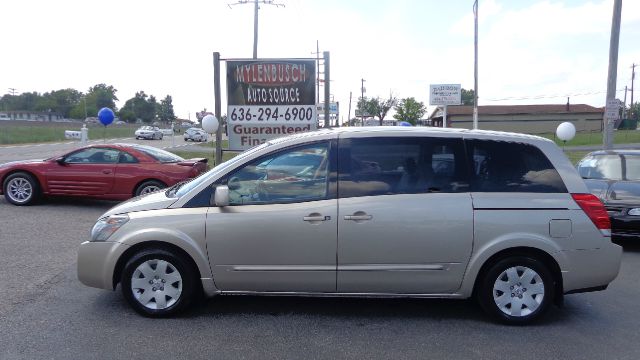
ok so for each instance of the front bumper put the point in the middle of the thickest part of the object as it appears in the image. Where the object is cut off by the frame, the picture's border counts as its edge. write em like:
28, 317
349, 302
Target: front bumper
625, 228
97, 262
145, 136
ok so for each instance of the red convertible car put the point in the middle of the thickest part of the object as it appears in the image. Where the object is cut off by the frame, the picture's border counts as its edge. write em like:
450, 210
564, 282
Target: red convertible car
106, 171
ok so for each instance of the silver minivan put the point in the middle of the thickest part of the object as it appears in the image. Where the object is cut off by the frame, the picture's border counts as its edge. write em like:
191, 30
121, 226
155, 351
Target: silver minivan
384, 211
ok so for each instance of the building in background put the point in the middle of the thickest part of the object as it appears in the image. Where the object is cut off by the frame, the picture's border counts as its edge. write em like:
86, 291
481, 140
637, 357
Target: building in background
531, 119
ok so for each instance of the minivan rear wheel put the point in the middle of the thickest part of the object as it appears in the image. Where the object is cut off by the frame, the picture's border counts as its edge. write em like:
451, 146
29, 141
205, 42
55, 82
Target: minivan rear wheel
516, 290
158, 283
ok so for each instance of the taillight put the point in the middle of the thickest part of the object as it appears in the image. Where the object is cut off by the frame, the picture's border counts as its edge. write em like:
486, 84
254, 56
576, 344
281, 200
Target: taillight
595, 210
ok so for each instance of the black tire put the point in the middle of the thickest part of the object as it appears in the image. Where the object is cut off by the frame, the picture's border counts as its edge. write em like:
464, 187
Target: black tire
149, 186
161, 136
177, 294
518, 299
21, 189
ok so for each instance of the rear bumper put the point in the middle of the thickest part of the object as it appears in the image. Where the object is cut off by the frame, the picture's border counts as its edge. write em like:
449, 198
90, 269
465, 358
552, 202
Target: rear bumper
591, 268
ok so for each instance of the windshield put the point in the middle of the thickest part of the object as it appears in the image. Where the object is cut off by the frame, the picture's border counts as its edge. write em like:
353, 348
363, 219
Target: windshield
158, 154
186, 187
601, 167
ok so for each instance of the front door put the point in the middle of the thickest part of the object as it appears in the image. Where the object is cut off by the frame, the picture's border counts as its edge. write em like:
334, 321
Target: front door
405, 219
88, 171
278, 233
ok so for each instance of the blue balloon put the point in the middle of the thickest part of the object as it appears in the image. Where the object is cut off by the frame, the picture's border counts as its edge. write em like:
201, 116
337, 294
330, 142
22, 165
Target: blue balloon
106, 116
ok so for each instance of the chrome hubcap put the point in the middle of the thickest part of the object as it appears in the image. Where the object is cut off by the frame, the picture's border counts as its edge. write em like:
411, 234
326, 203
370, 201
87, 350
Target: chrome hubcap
518, 291
19, 190
156, 284
149, 189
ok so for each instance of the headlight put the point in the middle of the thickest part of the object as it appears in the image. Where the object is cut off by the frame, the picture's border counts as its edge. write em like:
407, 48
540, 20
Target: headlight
106, 226
634, 212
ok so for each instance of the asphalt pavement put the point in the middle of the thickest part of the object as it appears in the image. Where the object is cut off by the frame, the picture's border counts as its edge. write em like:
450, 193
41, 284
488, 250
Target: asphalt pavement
47, 314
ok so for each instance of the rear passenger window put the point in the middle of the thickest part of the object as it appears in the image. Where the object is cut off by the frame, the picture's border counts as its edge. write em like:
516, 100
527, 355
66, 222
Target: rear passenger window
500, 166
386, 166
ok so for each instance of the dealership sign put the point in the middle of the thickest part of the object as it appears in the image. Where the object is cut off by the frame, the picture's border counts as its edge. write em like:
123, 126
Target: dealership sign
269, 98
445, 94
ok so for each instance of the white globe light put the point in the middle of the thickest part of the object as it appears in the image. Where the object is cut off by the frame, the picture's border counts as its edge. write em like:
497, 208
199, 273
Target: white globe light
210, 124
566, 131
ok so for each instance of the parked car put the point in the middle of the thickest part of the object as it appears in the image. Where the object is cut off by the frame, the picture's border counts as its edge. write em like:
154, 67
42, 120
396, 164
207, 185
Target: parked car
149, 132
614, 177
106, 171
195, 134
365, 212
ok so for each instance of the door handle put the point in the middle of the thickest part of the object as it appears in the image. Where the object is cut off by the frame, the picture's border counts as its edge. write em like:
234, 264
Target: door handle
316, 218
106, 171
358, 216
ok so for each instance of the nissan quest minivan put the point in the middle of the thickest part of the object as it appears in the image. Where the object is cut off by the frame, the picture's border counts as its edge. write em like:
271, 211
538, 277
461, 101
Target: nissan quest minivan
374, 212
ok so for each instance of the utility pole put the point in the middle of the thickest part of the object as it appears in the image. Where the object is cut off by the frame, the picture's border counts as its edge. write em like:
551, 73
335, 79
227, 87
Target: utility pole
12, 91
349, 115
255, 19
624, 106
362, 101
633, 76
475, 67
327, 92
317, 54
613, 68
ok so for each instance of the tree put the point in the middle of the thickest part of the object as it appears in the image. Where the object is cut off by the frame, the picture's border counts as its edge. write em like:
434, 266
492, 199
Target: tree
165, 110
467, 96
99, 96
61, 102
409, 110
141, 106
380, 108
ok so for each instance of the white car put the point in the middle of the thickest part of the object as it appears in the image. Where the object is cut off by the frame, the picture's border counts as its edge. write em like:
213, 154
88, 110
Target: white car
195, 134
149, 132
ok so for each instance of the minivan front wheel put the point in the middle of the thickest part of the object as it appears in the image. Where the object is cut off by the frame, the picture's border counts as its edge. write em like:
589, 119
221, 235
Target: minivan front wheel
516, 290
158, 283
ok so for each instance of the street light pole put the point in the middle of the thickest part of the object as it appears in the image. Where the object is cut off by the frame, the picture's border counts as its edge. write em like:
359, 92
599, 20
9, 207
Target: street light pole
475, 67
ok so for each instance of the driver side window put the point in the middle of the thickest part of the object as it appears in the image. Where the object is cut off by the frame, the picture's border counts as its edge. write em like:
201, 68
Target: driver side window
93, 156
293, 175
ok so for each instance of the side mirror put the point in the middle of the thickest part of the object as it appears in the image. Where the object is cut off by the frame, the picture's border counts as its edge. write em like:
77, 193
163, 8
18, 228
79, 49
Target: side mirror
221, 197
61, 161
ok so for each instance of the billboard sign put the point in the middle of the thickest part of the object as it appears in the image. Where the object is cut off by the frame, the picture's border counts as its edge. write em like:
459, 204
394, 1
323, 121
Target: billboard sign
269, 98
445, 94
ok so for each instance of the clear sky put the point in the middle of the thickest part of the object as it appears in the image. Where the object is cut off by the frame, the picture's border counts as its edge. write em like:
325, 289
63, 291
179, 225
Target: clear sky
530, 52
